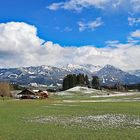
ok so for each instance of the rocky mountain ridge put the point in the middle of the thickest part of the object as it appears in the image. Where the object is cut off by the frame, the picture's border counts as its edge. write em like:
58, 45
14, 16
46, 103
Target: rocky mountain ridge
48, 75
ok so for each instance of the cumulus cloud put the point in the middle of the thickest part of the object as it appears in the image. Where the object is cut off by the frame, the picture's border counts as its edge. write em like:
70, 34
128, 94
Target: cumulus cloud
79, 5
18, 41
92, 25
21, 46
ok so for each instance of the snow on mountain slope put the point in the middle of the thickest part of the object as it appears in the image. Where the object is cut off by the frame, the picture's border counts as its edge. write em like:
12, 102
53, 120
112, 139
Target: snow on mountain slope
135, 72
84, 67
27, 75
110, 75
39, 74
47, 75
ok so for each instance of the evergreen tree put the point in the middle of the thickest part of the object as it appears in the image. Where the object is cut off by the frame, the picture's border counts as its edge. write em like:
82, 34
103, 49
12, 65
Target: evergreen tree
139, 86
65, 83
81, 80
95, 82
78, 79
73, 80
86, 81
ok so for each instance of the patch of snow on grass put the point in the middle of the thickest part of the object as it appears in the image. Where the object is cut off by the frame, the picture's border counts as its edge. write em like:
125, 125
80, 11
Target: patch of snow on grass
116, 94
92, 121
82, 90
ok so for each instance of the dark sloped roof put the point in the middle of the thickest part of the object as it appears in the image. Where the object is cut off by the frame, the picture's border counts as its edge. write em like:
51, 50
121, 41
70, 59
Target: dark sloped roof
26, 92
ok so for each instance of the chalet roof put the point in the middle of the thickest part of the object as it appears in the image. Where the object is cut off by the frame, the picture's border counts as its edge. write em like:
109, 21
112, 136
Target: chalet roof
26, 92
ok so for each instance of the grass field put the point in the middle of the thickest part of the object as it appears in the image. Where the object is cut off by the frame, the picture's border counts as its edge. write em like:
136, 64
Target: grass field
53, 119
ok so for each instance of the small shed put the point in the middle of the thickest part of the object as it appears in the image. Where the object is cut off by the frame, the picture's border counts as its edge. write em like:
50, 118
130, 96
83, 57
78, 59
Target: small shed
26, 94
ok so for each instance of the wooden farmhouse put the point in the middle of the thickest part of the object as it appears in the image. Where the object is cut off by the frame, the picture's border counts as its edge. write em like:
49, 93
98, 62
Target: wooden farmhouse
26, 94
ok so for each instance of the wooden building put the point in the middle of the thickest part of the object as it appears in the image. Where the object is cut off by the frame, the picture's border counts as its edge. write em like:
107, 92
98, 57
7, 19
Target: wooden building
42, 94
26, 94
29, 94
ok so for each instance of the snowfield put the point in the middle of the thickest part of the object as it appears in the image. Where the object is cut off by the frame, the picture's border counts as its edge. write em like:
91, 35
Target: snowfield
82, 90
95, 93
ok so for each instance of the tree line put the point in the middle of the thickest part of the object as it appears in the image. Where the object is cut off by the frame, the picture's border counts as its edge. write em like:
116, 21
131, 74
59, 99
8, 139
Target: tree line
72, 80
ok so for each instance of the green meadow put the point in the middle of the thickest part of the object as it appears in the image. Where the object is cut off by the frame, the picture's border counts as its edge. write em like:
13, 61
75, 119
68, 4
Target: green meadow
52, 119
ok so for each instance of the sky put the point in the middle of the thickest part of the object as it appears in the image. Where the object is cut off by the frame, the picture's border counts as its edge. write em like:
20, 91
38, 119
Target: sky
60, 32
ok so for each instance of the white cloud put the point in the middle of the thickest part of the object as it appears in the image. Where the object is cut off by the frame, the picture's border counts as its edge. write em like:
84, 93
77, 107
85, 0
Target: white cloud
55, 6
125, 56
67, 29
135, 5
112, 43
136, 34
79, 5
20, 46
134, 37
133, 21
132, 40
92, 25
18, 41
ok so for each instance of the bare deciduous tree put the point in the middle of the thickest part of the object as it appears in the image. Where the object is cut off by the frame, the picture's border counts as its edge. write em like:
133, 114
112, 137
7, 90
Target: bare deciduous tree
4, 89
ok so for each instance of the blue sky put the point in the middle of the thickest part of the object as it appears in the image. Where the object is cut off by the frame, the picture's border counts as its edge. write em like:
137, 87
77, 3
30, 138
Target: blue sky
78, 23
61, 26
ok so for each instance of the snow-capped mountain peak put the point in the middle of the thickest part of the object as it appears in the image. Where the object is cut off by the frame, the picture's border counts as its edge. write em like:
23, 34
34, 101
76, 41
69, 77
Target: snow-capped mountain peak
53, 75
86, 67
111, 75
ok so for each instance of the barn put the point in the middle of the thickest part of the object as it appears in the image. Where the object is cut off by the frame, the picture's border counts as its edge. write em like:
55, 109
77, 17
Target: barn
26, 94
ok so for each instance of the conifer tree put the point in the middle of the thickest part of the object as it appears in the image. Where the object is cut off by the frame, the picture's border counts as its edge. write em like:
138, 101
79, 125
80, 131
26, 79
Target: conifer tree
139, 86
65, 83
86, 81
95, 82
78, 79
73, 80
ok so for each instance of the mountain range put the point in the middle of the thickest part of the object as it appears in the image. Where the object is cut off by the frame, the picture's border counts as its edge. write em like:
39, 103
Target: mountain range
49, 75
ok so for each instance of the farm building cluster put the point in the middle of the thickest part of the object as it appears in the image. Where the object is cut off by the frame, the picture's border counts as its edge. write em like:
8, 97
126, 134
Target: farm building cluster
32, 94
5, 91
